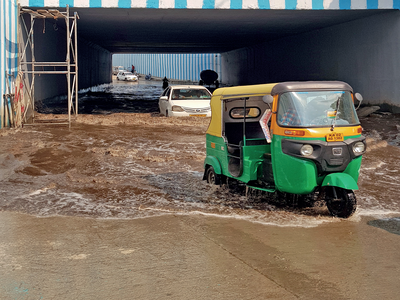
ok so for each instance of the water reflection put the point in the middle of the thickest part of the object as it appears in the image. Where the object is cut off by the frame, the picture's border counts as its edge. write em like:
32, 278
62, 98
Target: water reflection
391, 225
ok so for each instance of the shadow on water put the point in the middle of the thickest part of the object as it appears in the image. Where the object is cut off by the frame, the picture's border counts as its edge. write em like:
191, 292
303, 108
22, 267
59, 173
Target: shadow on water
108, 99
391, 225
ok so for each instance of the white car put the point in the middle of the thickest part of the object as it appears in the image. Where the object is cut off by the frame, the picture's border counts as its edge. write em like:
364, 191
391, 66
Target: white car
127, 76
118, 69
185, 101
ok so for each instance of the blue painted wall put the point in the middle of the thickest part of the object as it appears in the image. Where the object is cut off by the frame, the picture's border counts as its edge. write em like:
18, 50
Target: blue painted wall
173, 66
8, 49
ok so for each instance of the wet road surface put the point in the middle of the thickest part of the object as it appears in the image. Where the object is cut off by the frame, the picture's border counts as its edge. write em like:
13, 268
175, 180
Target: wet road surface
193, 257
116, 205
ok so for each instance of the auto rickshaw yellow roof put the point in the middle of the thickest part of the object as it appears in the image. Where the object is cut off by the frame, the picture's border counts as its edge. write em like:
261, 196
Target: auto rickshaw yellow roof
244, 91
238, 92
215, 127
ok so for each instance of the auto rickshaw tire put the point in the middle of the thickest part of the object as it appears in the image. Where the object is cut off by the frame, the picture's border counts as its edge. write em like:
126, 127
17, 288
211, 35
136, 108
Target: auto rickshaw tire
344, 206
212, 177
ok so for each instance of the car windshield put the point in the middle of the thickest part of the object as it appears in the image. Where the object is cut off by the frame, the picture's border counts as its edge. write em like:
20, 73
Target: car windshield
128, 73
190, 94
316, 109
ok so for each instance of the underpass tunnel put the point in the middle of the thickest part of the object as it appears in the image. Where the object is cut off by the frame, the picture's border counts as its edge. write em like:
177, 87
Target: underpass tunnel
256, 46
362, 52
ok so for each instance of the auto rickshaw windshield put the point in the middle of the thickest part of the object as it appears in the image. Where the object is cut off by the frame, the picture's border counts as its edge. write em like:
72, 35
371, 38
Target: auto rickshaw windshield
316, 109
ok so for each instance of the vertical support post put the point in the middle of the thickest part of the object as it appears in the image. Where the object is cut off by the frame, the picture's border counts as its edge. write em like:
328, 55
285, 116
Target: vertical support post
33, 66
68, 61
76, 62
244, 122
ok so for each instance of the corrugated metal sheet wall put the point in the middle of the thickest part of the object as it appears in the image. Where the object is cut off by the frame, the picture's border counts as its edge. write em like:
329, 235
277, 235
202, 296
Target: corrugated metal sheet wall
173, 66
8, 47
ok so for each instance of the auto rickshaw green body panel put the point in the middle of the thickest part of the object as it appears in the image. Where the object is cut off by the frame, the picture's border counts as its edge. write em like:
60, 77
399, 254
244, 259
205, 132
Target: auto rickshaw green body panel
300, 175
238, 146
286, 169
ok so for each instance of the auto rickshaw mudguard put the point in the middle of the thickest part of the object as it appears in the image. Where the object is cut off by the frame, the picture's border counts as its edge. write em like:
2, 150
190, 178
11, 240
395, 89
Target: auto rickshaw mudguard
341, 180
214, 162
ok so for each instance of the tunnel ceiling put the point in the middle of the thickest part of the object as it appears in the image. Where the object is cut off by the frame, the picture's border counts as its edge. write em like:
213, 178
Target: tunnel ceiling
202, 30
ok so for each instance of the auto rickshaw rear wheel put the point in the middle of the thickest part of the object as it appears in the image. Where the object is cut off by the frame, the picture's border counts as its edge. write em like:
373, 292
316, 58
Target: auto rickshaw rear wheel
341, 205
212, 177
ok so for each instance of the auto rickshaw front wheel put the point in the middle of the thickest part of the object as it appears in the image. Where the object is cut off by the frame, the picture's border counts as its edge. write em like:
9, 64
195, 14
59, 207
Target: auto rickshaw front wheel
341, 203
212, 177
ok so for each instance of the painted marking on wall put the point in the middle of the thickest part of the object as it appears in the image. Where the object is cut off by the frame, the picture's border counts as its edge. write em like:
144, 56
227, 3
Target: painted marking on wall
220, 4
8, 47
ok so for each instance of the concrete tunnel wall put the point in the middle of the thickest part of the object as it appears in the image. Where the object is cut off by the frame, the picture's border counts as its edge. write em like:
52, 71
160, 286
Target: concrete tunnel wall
94, 62
365, 53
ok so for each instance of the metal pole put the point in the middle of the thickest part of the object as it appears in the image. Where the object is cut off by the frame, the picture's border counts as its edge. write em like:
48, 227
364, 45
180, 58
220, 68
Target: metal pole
28, 35
76, 62
68, 67
244, 123
33, 66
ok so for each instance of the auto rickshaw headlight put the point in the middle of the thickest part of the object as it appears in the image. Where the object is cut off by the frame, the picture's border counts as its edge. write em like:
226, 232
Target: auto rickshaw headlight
358, 148
177, 108
306, 150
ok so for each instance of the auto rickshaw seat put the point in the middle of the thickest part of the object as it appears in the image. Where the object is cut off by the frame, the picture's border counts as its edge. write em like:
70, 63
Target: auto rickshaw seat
234, 132
233, 149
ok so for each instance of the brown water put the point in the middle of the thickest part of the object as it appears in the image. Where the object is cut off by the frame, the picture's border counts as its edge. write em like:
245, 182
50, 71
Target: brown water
122, 160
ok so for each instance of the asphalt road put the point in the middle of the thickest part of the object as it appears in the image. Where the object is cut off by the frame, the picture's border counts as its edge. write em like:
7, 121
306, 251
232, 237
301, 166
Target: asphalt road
194, 257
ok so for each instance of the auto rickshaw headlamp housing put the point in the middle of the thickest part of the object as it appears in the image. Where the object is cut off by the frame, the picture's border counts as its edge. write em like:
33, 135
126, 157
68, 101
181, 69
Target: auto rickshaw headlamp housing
328, 156
306, 150
358, 148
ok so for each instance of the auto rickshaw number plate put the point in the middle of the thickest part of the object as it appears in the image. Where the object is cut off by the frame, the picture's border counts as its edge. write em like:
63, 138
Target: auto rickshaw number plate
334, 137
197, 115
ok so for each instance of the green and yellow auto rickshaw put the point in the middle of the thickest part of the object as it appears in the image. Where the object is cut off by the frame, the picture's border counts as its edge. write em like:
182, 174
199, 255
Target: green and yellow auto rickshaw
293, 138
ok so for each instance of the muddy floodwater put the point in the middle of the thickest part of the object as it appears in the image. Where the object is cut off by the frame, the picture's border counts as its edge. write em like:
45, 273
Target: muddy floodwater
121, 159
115, 207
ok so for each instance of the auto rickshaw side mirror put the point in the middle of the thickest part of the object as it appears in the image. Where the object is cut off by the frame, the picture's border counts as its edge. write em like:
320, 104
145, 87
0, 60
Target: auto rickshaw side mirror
268, 99
359, 98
